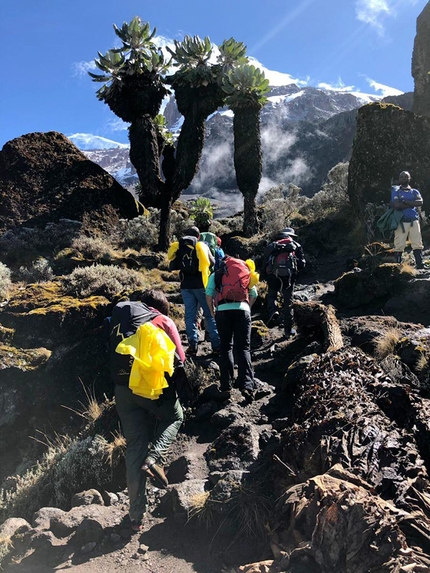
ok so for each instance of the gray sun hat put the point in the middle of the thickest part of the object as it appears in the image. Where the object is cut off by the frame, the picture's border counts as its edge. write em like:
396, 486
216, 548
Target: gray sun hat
287, 232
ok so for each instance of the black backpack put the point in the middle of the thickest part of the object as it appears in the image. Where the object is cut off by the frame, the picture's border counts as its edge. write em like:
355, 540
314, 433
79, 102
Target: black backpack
187, 255
283, 261
126, 317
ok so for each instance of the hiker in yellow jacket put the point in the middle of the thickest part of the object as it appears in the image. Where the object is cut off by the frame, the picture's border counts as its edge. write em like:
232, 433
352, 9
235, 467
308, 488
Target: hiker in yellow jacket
146, 393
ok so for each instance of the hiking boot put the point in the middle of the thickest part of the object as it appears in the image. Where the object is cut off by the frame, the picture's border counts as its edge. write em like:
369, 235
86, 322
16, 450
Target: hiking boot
274, 317
290, 332
249, 395
192, 350
136, 525
156, 473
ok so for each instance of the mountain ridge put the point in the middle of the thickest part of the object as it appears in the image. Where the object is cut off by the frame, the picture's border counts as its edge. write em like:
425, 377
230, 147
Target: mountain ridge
305, 132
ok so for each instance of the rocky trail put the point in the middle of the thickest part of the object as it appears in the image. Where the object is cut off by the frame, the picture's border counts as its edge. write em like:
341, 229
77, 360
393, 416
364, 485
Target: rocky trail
262, 487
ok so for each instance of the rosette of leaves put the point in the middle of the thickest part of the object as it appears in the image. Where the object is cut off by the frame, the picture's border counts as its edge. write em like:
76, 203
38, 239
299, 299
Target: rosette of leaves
132, 83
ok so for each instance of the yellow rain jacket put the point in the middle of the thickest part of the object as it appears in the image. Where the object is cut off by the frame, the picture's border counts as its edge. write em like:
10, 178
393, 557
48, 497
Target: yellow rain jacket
202, 252
255, 277
153, 354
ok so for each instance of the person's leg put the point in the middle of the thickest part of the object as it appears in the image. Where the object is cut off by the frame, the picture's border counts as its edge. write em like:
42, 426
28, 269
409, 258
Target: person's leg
416, 243
169, 414
241, 321
273, 286
226, 363
287, 294
191, 308
400, 236
135, 429
210, 322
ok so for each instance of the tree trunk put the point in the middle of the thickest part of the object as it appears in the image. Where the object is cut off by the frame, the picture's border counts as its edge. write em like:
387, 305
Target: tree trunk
248, 162
145, 156
165, 217
314, 315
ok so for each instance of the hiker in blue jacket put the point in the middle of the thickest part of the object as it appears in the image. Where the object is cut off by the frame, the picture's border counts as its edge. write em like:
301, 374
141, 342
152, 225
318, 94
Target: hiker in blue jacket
406, 199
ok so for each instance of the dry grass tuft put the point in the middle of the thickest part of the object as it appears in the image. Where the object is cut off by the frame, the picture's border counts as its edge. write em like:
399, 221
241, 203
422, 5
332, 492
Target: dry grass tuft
92, 410
422, 363
387, 342
201, 509
115, 449
6, 546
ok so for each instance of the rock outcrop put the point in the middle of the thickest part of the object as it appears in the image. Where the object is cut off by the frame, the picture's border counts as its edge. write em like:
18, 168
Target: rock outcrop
421, 63
388, 140
44, 177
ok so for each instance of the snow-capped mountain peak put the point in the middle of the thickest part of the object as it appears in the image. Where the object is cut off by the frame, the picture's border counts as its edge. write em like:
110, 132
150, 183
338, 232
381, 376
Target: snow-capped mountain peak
89, 142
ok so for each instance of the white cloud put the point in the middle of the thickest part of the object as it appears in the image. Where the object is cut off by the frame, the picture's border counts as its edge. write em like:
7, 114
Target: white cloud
339, 86
374, 12
116, 124
82, 68
385, 90
277, 78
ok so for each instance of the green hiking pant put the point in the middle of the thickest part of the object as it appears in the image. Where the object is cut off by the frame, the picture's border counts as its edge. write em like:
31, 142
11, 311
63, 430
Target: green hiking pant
135, 413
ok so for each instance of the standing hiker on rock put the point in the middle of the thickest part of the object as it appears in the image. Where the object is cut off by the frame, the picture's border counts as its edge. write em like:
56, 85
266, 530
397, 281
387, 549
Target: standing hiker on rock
137, 410
230, 295
282, 260
193, 259
406, 199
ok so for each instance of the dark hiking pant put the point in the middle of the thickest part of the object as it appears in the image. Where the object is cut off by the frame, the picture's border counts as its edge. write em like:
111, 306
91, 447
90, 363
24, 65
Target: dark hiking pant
234, 329
286, 288
135, 412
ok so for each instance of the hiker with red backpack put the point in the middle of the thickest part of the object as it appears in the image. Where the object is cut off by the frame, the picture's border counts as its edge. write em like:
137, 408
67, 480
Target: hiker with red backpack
136, 408
230, 294
282, 260
193, 259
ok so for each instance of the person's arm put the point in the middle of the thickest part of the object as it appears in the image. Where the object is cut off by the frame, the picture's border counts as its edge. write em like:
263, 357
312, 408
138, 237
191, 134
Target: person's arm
210, 294
169, 327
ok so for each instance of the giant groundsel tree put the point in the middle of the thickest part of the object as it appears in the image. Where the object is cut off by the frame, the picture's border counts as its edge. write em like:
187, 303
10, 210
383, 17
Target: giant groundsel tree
245, 87
135, 82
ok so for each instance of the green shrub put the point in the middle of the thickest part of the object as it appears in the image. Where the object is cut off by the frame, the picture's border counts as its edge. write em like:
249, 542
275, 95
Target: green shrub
139, 232
68, 467
92, 247
277, 207
102, 280
5, 281
333, 196
25, 243
37, 271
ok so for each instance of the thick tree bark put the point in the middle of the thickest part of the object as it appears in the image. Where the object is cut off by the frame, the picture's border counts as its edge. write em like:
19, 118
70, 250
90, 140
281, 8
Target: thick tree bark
248, 162
145, 156
310, 315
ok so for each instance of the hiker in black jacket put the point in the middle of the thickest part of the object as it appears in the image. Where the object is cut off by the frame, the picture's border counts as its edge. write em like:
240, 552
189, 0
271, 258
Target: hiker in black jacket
283, 258
193, 259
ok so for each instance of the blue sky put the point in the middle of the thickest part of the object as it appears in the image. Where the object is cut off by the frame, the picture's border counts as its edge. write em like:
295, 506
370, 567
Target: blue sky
48, 44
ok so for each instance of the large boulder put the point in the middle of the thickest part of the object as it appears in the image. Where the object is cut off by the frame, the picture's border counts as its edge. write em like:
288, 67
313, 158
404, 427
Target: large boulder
388, 140
44, 177
421, 64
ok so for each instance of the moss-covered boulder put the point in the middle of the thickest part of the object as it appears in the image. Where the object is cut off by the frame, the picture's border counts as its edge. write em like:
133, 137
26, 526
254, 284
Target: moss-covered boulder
354, 289
388, 140
421, 64
40, 314
44, 177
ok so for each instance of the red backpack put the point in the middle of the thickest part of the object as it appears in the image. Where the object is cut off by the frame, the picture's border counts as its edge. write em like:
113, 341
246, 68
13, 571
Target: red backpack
283, 261
232, 281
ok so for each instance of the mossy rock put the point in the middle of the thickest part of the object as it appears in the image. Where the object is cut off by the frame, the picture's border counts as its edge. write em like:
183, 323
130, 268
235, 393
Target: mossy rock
6, 334
42, 316
354, 289
259, 334
23, 359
